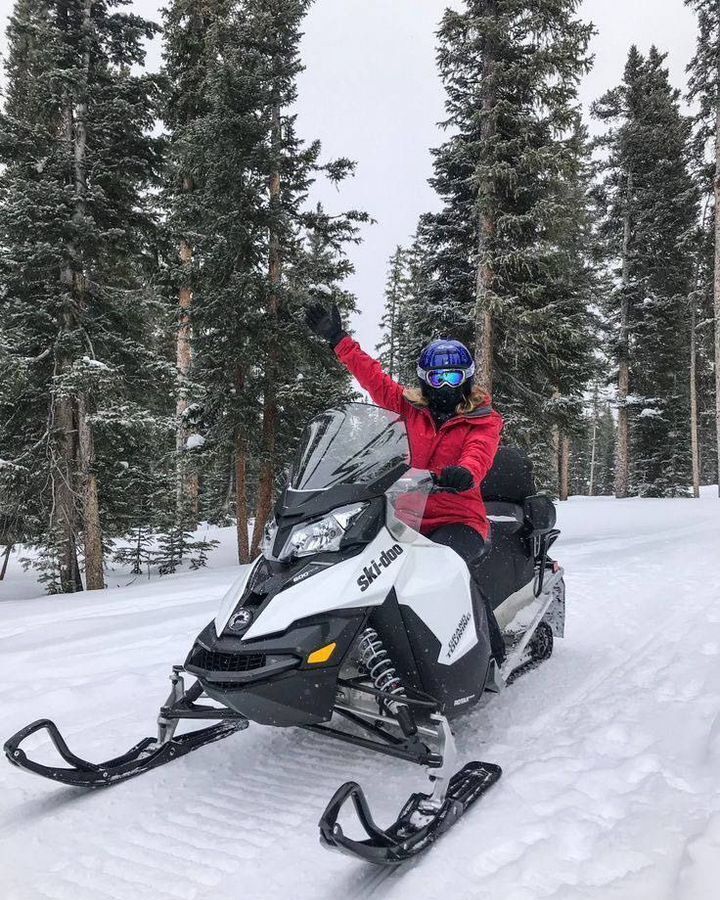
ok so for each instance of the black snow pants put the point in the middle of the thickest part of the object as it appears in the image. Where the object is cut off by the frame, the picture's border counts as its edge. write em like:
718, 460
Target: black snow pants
469, 544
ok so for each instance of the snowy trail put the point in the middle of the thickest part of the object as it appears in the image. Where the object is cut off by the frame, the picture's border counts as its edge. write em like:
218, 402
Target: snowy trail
611, 750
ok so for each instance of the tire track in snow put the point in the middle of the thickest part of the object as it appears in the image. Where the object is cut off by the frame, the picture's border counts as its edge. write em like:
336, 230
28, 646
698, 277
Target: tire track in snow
626, 782
240, 819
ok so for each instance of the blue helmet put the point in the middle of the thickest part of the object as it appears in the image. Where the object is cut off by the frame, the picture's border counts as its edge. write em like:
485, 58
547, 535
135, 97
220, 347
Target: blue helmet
445, 355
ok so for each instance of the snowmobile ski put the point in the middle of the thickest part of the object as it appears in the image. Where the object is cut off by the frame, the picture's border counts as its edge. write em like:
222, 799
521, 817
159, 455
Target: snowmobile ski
417, 826
148, 754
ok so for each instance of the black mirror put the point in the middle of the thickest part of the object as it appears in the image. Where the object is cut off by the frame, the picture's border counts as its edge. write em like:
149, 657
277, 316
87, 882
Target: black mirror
540, 513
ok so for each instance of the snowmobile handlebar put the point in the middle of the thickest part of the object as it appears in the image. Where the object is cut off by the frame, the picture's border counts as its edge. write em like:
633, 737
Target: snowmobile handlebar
434, 489
445, 490
437, 488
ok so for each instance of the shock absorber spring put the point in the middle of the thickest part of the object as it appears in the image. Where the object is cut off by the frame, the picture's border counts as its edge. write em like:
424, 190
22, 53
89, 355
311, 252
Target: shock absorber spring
376, 660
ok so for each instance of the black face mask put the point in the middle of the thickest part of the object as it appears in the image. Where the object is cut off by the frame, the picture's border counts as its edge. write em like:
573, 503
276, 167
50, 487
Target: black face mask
444, 401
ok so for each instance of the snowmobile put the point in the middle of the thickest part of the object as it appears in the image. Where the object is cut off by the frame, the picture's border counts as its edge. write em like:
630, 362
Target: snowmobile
354, 625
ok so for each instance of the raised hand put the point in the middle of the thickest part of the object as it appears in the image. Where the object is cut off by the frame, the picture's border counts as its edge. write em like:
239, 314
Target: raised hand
325, 323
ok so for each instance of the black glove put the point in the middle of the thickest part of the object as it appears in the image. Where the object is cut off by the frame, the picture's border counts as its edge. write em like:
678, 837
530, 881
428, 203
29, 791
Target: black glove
456, 478
326, 324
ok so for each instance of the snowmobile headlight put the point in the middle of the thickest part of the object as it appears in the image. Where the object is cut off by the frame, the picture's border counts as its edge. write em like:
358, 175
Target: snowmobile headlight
324, 535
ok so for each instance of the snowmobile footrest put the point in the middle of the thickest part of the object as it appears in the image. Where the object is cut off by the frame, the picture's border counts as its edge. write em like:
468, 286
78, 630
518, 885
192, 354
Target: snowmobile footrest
146, 755
416, 827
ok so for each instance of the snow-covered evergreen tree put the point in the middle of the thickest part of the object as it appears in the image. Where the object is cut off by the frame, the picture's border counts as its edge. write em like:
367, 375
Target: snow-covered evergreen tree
255, 240
76, 342
500, 260
704, 92
650, 227
187, 27
411, 312
392, 348
592, 456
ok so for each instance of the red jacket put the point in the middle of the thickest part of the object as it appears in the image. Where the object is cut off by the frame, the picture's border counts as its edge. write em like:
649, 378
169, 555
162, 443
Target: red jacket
466, 440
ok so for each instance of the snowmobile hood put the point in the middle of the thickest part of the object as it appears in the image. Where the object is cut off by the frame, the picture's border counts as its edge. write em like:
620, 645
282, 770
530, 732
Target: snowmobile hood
359, 581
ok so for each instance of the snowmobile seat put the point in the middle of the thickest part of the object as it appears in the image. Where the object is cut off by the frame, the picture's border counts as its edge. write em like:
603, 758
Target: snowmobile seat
505, 517
509, 564
511, 478
540, 514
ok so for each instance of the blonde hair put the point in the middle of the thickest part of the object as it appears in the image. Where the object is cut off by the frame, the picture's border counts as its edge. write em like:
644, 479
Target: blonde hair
478, 397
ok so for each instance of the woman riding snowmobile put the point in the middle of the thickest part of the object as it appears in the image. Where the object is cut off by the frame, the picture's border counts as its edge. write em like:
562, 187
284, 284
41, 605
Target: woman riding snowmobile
354, 625
453, 430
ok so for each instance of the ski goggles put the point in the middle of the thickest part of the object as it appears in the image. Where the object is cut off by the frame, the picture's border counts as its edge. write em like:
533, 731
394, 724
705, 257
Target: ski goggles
436, 378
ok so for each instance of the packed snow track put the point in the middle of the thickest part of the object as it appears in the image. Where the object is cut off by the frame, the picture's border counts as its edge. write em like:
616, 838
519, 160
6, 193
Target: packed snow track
610, 750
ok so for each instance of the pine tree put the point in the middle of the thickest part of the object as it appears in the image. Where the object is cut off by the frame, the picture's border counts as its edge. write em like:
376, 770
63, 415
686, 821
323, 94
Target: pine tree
499, 261
701, 304
704, 91
76, 228
185, 25
391, 348
414, 325
257, 243
576, 289
650, 221
186, 47
592, 466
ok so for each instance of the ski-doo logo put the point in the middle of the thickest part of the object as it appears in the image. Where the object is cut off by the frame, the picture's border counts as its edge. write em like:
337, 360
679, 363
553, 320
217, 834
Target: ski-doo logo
371, 572
459, 632
240, 621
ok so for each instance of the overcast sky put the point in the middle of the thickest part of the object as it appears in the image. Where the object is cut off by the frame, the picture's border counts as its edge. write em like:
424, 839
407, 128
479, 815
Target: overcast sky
371, 92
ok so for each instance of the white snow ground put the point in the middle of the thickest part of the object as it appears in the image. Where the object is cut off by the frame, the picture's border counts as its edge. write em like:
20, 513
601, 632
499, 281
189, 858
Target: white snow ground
611, 750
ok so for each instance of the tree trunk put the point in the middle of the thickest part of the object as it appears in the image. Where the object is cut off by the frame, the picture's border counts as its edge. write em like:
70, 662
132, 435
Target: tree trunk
186, 485
228, 502
6, 560
267, 471
593, 442
92, 532
716, 283
593, 458
74, 436
484, 325
270, 405
622, 452
485, 342
63, 516
64, 510
556, 454
564, 467
63, 415
241, 500
694, 440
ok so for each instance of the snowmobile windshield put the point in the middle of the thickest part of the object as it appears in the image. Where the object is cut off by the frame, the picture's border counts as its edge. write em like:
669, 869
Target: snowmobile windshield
357, 444
406, 500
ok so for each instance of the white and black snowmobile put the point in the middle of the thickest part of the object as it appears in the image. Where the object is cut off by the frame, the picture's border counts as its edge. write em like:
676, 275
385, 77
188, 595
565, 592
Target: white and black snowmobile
354, 625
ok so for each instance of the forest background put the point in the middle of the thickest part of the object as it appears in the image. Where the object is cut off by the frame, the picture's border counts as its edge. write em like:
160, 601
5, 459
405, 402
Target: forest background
129, 304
